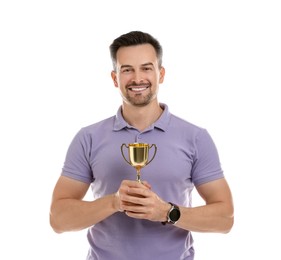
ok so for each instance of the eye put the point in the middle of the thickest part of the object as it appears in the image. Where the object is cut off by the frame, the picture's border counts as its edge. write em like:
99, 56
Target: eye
126, 70
147, 68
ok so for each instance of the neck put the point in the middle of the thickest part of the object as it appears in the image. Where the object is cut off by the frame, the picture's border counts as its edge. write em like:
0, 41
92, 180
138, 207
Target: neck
141, 117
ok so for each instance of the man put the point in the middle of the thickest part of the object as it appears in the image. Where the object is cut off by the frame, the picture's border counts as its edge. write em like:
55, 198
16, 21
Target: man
152, 219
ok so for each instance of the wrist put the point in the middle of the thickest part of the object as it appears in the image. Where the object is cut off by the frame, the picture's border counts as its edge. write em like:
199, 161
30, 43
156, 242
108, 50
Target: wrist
116, 203
166, 208
173, 214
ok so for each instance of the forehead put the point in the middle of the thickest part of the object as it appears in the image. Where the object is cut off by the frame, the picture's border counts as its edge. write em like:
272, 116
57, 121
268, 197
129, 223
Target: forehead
136, 55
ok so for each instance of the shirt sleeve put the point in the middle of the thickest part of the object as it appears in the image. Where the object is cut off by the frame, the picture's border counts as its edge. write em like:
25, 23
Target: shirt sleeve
76, 165
206, 165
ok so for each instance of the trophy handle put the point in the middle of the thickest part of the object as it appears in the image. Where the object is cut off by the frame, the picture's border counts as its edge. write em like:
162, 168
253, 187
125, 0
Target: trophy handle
155, 150
123, 153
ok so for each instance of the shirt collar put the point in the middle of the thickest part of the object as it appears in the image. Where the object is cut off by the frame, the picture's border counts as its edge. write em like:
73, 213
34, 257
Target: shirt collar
162, 122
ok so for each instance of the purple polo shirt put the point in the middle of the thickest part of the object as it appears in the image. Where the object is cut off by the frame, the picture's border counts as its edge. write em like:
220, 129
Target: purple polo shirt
186, 157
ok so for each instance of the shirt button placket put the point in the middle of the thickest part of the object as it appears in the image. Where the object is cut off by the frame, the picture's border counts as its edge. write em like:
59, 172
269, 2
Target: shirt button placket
138, 138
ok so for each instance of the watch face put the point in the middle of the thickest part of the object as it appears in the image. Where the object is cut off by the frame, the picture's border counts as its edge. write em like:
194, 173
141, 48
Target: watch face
174, 215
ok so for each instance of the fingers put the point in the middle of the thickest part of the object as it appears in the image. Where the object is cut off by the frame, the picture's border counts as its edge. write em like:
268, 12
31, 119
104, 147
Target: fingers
137, 200
132, 194
136, 184
146, 184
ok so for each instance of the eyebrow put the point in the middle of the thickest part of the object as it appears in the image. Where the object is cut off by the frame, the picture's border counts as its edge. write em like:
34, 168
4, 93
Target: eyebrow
125, 66
142, 65
148, 64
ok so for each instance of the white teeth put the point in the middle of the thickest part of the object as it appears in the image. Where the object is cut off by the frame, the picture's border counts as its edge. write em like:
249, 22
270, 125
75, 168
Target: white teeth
138, 89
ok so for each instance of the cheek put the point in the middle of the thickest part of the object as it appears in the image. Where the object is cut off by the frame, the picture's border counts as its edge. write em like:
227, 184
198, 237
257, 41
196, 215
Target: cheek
124, 80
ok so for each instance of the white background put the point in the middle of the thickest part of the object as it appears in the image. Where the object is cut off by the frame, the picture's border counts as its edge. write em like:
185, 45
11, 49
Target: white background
223, 66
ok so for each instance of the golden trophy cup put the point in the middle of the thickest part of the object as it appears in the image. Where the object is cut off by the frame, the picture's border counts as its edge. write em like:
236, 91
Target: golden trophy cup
138, 155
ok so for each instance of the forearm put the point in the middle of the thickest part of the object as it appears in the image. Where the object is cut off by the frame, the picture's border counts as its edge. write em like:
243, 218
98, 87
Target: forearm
216, 217
73, 215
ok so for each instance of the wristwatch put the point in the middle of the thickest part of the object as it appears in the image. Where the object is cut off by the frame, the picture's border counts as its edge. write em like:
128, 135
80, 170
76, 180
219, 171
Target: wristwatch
173, 214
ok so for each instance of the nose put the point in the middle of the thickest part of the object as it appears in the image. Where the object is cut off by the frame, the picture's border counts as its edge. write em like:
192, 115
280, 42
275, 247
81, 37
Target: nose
138, 77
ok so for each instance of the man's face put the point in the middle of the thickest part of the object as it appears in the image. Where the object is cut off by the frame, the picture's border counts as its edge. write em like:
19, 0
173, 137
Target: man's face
137, 74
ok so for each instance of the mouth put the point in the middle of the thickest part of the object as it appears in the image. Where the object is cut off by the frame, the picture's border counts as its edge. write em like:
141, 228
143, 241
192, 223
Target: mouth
139, 88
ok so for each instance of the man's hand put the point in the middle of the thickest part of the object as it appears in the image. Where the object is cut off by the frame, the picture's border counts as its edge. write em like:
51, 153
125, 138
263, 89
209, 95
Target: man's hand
137, 200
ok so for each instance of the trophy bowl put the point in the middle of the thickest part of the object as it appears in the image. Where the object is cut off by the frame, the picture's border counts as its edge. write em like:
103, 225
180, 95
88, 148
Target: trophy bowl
138, 154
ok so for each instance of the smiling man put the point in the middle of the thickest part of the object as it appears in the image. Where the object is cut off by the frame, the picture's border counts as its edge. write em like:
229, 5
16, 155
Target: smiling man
152, 219
137, 74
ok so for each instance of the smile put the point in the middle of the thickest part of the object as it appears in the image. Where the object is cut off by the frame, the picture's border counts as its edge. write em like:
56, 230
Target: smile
138, 89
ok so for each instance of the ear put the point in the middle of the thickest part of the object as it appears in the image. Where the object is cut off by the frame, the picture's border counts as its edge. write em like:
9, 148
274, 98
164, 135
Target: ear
114, 78
162, 75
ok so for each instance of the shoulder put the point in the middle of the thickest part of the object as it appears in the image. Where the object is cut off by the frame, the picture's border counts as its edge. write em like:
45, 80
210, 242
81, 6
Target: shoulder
184, 126
183, 122
174, 123
98, 126
86, 134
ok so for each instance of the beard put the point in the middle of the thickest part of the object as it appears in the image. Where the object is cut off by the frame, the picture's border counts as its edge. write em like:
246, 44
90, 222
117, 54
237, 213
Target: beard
138, 99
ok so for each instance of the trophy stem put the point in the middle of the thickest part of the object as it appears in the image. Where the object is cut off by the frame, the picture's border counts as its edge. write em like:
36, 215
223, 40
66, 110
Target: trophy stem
138, 174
